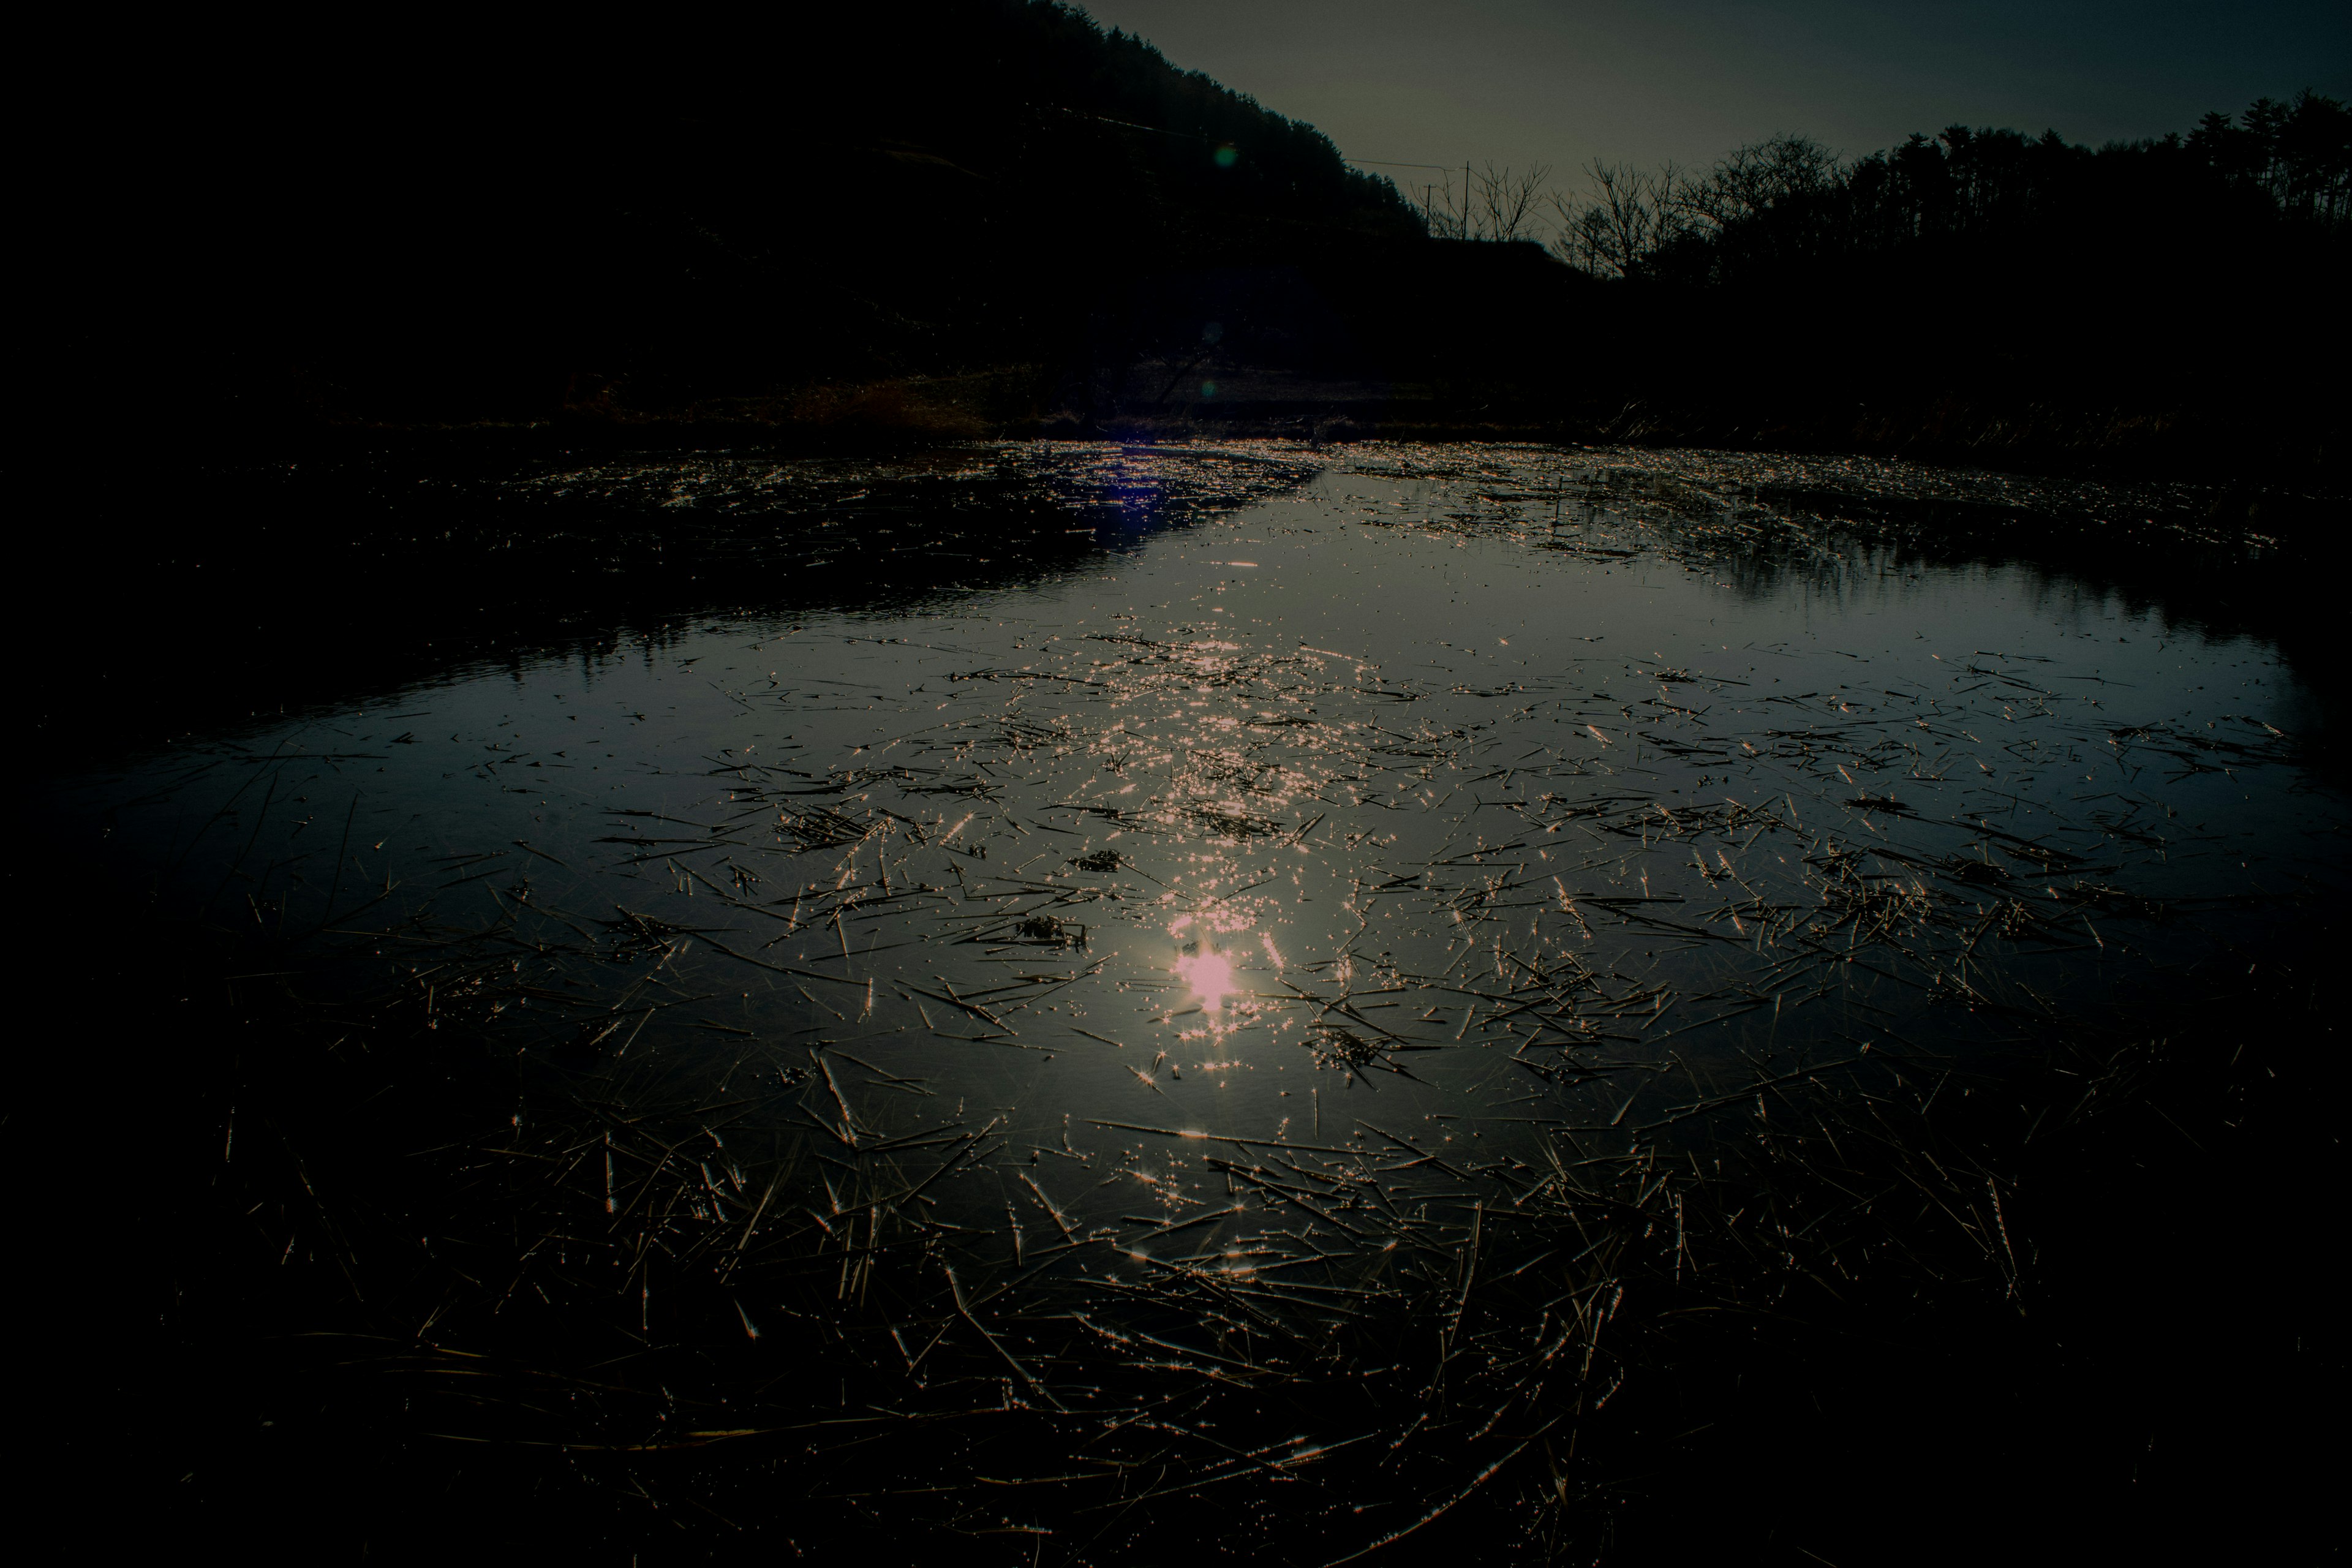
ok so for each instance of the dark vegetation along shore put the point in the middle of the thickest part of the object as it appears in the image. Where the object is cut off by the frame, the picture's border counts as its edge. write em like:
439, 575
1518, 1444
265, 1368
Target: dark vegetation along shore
892, 784
991, 218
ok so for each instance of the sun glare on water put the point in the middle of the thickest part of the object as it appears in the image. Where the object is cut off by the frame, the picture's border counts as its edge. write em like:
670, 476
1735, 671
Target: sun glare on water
1211, 976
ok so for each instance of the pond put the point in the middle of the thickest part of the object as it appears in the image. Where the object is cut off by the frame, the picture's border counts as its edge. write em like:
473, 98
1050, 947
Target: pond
1217, 988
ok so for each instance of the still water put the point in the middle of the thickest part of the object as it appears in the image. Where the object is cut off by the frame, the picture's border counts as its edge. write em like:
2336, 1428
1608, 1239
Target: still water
1211, 944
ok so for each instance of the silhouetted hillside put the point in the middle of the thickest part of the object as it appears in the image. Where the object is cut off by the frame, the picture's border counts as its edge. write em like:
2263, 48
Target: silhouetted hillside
972, 217
451, 228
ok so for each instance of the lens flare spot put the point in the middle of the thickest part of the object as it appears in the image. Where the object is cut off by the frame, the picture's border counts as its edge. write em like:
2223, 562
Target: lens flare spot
1210, 976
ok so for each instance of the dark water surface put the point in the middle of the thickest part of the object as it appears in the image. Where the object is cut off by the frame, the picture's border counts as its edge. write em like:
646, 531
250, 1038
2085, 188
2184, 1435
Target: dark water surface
1276, 986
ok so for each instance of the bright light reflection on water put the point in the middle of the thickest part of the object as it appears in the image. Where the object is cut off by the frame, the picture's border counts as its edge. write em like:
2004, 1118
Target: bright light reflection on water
1093, 973
1279, 826
1210, 976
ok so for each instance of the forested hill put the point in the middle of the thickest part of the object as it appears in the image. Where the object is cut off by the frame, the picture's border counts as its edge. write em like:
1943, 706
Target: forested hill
2276, 188
974, 217
458, 228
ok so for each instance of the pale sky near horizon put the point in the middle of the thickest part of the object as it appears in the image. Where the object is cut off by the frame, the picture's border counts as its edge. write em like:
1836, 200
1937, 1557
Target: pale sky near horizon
1561, 82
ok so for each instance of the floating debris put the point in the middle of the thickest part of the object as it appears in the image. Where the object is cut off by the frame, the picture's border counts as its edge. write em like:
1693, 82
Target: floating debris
1479, 1036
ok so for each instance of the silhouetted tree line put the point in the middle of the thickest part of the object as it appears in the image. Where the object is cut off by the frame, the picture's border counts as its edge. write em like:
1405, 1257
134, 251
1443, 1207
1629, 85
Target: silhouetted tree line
1215, 146
2284, 173
2176, 301
266, 233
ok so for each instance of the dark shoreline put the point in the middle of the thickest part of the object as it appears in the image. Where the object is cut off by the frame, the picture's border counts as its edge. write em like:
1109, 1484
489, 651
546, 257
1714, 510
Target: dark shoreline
2258, 450
383, 555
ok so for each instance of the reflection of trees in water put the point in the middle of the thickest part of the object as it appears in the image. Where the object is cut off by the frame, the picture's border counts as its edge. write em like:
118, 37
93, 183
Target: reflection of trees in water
894, 533
530, 558
1767, 523
526, 558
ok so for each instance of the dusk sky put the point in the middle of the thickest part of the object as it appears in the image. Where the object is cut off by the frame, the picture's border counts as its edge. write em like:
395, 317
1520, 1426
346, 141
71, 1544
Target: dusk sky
1561, 82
